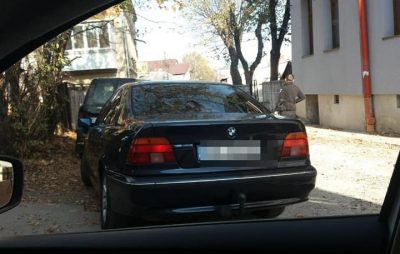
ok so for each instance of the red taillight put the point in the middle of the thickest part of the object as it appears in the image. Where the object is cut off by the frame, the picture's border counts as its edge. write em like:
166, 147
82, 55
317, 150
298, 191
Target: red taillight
295, 144
146, 151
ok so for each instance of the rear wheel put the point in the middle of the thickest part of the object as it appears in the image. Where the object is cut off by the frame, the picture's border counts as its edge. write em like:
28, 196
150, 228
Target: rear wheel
270, 213
85, 172
110, 219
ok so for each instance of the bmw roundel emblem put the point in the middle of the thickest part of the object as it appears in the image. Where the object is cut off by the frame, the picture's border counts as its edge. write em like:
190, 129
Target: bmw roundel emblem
231, 132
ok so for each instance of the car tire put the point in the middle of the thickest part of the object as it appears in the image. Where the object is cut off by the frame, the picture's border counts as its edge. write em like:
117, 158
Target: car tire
85, 172
270, 213
109, 219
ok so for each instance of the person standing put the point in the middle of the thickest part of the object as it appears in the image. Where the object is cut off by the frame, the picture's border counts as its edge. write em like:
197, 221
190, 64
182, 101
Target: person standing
288, 97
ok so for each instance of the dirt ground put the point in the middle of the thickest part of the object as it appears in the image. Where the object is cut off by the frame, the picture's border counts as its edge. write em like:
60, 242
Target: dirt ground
354, 170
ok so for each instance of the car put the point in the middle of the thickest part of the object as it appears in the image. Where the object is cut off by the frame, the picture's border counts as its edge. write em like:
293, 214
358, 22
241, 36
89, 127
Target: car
100, 90
377, 233
170, 149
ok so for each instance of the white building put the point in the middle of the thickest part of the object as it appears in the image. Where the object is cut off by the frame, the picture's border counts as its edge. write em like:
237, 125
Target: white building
327, 62
103, 46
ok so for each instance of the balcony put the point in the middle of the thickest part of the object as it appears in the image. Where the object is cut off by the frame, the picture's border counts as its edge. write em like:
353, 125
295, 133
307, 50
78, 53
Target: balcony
91, 59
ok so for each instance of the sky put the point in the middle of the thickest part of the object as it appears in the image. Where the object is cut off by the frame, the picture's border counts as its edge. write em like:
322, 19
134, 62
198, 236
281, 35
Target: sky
168, 34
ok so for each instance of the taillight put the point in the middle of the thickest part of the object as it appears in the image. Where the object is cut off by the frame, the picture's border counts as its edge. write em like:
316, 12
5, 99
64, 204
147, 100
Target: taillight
295, 144
146, 151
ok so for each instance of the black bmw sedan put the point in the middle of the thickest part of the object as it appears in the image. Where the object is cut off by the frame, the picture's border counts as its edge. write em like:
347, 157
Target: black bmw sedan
165, 149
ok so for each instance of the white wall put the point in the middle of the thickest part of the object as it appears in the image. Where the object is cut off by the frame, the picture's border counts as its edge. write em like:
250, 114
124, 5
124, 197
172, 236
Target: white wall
328, 72
384, 53
339, 71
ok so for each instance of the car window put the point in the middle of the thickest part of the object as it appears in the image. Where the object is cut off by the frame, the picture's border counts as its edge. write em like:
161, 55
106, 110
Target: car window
124, 111
175, 99
100, 92
111, 111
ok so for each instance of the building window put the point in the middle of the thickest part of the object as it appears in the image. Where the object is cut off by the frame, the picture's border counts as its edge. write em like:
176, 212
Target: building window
310, 27
396, 16
91, 35
398, 101
336, 99
335, 24
307, 25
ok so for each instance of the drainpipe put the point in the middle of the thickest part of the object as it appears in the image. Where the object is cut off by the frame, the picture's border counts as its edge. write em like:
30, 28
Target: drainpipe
365, 66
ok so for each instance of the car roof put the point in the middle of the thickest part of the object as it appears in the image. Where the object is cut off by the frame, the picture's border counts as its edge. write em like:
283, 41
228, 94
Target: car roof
174, 82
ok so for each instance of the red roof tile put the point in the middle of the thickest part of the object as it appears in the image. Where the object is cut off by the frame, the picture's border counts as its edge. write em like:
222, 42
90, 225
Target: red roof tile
178, 69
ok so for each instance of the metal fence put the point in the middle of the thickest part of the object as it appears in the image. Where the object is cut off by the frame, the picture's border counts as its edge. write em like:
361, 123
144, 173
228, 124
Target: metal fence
268, 92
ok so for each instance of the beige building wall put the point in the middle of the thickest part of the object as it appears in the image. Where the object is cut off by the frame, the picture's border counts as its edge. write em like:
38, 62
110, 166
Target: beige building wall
85, 78
125, 46
301, 109
348, 114
387, 113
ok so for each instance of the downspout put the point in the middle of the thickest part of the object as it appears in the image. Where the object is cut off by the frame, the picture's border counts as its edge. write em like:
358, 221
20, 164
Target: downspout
365, 67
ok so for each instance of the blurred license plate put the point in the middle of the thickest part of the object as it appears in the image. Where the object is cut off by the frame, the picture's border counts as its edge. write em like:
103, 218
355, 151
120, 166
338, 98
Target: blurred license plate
93, 119
221, 150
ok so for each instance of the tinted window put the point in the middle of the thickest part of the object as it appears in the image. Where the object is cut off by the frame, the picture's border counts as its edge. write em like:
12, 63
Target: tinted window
195, 98
113, 109
101, 90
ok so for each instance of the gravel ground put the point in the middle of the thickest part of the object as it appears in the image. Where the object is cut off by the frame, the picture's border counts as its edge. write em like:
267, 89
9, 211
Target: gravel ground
354, 171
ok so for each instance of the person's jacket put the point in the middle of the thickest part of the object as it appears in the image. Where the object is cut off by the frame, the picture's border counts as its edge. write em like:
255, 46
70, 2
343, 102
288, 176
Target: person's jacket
288, 97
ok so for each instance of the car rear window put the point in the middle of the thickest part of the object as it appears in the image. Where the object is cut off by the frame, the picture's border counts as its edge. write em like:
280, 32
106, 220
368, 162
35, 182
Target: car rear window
191, 98
101, 90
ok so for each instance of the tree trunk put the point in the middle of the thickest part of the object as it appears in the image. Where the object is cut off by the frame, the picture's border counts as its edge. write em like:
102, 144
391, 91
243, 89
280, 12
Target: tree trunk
11, 77
274, 59
235, 74
249, 80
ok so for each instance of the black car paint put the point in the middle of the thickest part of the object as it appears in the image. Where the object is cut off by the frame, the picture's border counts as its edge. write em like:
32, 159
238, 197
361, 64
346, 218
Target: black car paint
108, 145
92, 111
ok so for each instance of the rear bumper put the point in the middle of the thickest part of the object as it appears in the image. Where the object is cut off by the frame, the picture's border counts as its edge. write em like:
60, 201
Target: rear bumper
157, 197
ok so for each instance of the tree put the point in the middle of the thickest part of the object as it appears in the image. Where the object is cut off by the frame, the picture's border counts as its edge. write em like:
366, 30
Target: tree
32, 95
279, 14
199, 67
230, 20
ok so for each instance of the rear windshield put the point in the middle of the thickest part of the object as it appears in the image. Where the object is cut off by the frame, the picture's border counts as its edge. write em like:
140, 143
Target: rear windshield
191, 98
101, 90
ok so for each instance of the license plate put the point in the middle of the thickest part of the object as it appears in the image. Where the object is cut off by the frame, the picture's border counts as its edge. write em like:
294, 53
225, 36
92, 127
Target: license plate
93, 119
229, 150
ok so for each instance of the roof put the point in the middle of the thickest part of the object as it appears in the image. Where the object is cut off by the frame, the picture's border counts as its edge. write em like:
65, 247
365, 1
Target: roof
173, 82
178, 69
161, 64
169, 65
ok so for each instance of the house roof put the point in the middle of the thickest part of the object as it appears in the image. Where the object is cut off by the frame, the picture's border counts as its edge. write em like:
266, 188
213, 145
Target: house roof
178, 69
169, 65
161, 64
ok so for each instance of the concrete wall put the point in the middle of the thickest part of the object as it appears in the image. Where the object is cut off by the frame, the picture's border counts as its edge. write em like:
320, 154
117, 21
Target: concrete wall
386, 113
339, 71
327, 71
85, 78
125, 46
348, 114
301, 109
384, 48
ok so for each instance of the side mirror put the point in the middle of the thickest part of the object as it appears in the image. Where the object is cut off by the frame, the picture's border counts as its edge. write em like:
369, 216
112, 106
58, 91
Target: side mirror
11, 182
85, 122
